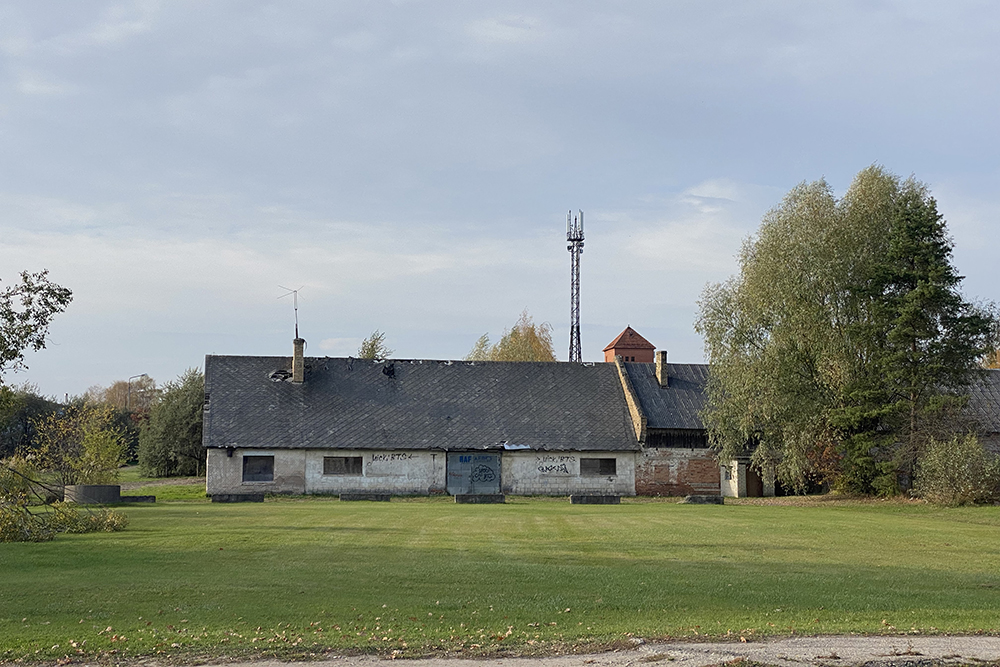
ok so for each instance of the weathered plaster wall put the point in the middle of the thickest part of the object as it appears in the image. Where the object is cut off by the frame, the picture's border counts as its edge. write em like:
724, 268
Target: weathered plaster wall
743, 482
733, 480
558, 474
301, 471
672, 471
225, 473
397, 473
417, 473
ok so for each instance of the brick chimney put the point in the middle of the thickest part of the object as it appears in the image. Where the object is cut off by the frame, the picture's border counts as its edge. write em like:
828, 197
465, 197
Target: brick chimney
298, 362
661, 368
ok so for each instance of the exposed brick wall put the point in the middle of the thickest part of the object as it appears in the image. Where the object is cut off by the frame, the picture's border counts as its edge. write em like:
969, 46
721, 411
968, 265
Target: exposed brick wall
632, 401
676, 472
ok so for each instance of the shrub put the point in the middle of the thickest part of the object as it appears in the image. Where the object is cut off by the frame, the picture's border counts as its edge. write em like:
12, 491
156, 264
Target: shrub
82, 444
958, 472
17, 524
21, 522
64, 518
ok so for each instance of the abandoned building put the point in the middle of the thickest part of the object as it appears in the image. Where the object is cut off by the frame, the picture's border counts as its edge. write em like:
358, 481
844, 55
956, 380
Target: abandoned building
322, 425
334, 425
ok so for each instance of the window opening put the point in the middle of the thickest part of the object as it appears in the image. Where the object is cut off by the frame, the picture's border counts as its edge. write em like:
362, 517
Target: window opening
258, 468
598, 467
342, 465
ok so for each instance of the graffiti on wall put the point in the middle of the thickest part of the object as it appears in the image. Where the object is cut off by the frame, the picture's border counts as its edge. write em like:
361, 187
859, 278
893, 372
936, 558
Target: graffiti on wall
548, 464
388, 458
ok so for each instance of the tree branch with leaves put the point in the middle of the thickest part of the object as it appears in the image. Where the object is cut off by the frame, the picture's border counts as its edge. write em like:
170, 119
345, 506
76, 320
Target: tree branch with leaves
26, 309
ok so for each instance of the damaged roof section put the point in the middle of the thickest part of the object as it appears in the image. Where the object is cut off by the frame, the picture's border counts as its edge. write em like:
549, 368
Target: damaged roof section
679, 404
347, 403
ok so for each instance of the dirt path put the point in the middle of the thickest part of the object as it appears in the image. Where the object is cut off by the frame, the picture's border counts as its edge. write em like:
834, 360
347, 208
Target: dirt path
786, 652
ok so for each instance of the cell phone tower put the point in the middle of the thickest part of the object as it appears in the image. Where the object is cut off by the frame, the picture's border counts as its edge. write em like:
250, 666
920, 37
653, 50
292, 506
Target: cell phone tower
574, 240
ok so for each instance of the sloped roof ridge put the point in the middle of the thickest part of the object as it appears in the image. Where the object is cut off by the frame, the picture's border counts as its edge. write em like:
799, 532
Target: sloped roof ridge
633, 341
398, 360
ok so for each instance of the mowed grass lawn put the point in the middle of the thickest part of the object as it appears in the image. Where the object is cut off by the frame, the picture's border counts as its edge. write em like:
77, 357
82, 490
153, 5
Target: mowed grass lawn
291, 577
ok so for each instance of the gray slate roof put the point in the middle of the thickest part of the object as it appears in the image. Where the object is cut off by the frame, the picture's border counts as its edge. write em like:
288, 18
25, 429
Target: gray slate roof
446, 405
676, 406
984, 402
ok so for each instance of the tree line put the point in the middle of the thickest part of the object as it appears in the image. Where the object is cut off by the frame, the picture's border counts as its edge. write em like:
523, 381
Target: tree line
843, 351
86, 439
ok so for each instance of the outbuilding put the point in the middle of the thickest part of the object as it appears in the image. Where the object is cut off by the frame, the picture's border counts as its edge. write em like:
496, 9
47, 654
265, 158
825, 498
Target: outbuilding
320, 425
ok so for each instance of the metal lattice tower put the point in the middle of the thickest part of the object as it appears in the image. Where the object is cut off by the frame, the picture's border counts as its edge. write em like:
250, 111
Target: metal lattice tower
574, 240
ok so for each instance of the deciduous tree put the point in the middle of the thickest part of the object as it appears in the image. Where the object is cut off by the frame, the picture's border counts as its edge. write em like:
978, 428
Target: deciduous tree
844, 342
26, 309
170, 441
374, 347
81, 444
525, 341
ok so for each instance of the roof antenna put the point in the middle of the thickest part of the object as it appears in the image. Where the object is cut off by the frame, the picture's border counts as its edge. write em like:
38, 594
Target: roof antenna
295, 305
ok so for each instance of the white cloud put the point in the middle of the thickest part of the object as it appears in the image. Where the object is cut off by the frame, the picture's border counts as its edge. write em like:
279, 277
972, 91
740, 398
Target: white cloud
509, 29
122, 22
37, 83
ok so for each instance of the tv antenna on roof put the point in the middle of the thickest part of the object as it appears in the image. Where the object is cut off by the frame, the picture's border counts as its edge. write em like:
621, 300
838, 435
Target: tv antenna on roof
295, 305
574, 240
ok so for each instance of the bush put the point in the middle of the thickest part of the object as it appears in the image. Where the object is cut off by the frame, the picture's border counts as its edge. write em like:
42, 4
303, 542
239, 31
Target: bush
82, 444
23, 520
958, 472
17, 524
64, 518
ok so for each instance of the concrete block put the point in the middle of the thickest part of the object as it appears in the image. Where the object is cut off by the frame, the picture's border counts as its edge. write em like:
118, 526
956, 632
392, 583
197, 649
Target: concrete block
237, 497
595, 500
481, 498
92, 494
374, 497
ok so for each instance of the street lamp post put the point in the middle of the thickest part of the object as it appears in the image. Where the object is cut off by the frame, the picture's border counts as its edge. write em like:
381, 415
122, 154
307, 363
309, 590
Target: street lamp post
128, 395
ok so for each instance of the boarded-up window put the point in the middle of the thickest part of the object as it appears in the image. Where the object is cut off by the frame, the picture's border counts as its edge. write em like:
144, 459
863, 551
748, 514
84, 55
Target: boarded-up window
598, 466
258, 468
341, 465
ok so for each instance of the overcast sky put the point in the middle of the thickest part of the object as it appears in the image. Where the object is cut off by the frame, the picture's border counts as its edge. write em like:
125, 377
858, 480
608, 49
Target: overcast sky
410, 164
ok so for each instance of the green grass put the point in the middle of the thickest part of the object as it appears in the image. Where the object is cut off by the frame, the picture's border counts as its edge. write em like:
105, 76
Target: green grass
292, 577
167, 492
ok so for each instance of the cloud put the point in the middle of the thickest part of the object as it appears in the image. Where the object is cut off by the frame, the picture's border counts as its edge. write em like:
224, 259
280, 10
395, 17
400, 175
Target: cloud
509, 29
340, 347
39, 83
124, 21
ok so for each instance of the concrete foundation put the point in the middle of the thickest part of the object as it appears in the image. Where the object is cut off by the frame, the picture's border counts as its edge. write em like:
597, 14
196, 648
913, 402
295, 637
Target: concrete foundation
303, 471
93, 494
595, 500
